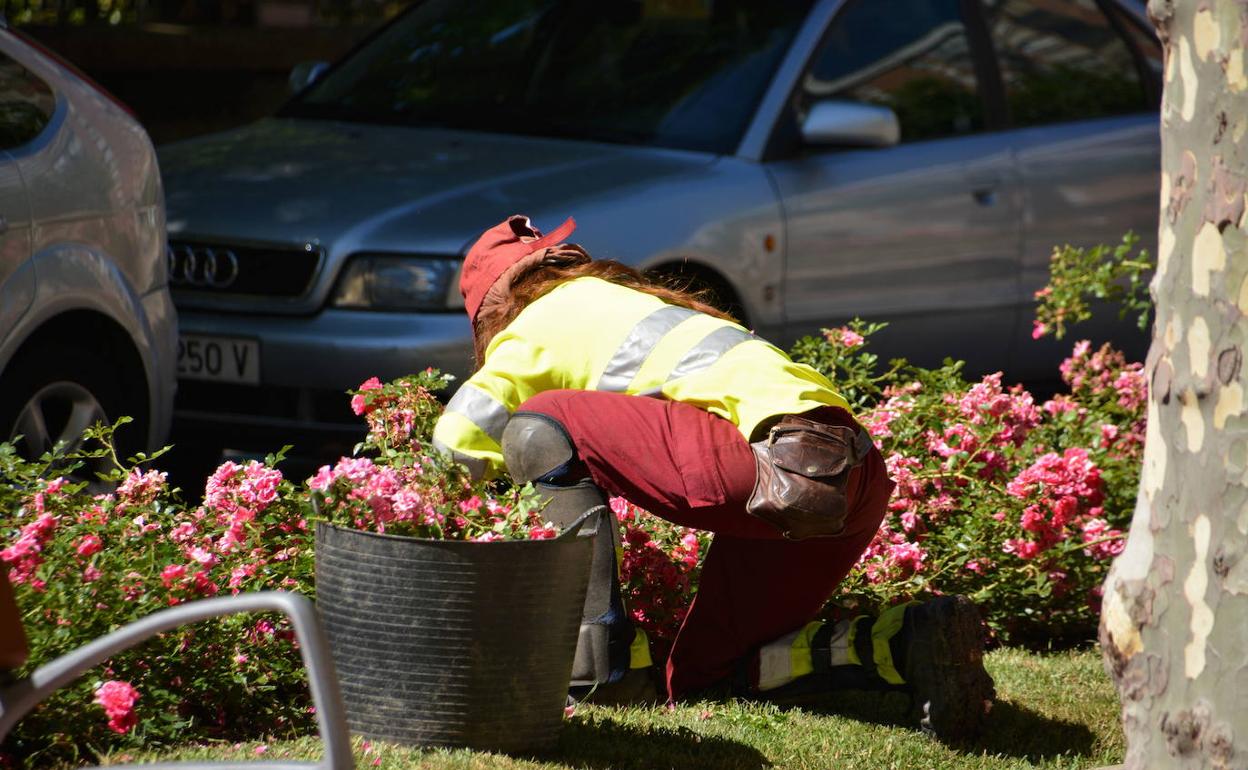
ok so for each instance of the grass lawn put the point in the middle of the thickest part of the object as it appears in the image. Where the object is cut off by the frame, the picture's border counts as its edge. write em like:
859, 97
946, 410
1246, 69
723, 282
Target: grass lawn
1053, 711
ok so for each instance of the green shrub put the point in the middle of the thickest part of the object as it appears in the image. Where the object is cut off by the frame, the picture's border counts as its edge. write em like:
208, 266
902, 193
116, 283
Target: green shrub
1077, 276
83, 564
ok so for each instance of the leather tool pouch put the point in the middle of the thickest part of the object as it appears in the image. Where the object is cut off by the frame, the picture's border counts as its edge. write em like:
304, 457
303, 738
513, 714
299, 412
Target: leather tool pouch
802, 469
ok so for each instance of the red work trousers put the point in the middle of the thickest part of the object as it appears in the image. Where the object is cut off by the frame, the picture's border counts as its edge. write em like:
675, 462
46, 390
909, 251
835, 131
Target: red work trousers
696, 469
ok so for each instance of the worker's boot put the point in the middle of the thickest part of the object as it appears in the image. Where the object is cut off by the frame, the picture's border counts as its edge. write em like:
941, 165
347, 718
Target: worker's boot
943, 665
537, 448
933, 651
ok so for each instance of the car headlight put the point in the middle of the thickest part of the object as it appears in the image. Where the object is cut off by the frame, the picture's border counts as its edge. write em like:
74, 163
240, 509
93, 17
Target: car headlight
391, 282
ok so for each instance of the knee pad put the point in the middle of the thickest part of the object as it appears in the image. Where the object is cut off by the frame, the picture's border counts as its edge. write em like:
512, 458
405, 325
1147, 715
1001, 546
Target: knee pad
538, 449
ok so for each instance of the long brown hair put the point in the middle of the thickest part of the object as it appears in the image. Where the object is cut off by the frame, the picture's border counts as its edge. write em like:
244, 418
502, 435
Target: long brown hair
543, 277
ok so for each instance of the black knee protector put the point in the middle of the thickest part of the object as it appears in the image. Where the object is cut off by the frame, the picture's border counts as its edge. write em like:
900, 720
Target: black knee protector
538, 449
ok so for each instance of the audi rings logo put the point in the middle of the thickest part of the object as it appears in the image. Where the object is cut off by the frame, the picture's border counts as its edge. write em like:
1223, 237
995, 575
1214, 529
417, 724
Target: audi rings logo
202, 267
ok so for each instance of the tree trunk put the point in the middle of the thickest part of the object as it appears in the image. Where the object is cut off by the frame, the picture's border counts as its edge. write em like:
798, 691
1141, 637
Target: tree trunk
1174, 623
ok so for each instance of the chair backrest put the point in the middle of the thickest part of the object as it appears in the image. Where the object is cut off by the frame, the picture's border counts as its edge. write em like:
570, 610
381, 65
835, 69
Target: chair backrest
13, 649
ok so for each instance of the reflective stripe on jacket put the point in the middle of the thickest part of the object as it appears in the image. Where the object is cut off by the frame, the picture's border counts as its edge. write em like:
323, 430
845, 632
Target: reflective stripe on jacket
589, 334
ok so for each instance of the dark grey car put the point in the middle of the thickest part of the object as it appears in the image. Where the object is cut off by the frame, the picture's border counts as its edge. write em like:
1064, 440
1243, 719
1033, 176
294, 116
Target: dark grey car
913, 161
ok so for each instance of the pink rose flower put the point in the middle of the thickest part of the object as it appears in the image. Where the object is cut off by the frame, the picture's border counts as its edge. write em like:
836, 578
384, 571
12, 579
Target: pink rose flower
1023, 549
182, 532
323, 479
542, 531
202, 556
138, 488
118, 699
359, 403
88, 545
172, 574
26, 554
204, 585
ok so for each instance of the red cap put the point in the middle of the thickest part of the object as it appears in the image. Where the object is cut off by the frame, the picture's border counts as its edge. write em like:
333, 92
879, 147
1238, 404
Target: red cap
499, 248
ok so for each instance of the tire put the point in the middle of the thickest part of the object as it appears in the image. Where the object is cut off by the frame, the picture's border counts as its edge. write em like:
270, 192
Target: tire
52, 394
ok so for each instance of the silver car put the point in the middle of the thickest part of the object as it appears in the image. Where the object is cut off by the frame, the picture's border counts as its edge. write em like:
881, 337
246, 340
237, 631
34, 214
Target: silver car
87, 326
809, 161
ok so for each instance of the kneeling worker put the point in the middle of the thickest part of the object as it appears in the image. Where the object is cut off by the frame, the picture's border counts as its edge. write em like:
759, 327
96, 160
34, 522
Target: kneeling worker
591, 379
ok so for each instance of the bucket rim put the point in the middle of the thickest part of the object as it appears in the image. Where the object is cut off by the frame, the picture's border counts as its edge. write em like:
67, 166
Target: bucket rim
447, 542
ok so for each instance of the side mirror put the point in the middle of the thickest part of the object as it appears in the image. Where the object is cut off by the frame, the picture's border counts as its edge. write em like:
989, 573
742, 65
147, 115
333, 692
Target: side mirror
305, 74
852, 124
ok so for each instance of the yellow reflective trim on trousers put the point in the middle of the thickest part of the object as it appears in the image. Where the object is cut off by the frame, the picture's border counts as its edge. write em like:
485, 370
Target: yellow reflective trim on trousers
885, 627
775, 662
852, 652
639, 650
801, 662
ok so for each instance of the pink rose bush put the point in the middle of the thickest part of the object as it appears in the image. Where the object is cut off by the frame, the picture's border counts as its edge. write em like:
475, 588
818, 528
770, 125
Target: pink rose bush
404, 487
1016, 503
658, 571
83, 564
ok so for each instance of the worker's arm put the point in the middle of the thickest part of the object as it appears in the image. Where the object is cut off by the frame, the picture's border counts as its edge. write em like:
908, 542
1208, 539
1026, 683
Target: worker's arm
472, 426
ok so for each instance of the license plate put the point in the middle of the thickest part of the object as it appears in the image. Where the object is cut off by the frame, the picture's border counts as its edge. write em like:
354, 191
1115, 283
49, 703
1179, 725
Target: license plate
219, 359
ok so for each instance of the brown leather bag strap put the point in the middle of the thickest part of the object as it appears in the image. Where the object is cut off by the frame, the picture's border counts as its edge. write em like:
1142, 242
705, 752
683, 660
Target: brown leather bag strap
13, 649
863, 444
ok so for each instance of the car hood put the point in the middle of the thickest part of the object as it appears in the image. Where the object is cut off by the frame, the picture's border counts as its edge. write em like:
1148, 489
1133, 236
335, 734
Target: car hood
352, 187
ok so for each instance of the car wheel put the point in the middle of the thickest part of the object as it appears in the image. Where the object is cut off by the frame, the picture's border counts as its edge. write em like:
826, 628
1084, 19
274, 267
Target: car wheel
52, 396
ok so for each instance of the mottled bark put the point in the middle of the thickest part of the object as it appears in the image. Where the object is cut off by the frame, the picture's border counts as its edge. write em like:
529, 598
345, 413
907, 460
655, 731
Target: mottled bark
1174, 624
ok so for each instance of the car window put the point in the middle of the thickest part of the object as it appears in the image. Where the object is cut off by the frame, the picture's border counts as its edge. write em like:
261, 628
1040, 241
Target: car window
674, 74
26, 104
1063, 60
1147, 47
912, 56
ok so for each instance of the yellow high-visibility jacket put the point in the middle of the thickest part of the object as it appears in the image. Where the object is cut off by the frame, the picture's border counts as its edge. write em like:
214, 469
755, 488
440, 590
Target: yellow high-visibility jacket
590, 334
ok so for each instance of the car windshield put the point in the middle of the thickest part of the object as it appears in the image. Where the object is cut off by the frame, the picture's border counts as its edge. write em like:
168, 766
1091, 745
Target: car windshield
685, 74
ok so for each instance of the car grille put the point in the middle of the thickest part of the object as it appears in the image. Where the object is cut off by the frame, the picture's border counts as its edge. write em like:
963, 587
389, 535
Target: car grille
235, 270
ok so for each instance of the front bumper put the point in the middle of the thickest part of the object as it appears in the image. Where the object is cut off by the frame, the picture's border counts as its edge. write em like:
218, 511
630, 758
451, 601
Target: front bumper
306, 365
